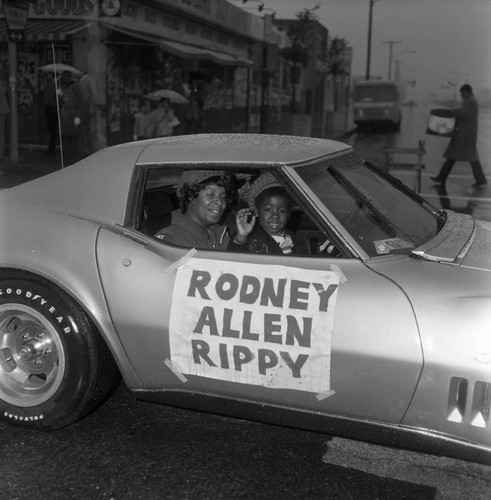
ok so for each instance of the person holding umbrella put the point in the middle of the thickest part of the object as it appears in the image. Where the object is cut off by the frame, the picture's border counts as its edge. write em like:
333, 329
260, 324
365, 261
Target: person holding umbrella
164, 114
165, 119
71, 109
86, 92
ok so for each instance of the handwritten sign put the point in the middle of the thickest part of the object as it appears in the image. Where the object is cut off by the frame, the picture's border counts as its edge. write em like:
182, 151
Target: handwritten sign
252, 324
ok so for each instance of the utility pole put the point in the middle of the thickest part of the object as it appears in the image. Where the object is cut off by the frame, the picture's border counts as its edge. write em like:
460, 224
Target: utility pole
391, 44
15, 12
369, 42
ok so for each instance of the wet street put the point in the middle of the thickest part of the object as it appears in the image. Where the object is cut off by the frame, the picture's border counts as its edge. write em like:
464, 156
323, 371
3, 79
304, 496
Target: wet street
458, 195
136, 450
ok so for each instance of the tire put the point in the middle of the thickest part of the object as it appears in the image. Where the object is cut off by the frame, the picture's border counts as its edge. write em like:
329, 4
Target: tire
54, 366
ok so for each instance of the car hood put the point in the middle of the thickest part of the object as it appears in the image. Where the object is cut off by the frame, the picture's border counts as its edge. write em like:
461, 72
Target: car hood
463, 241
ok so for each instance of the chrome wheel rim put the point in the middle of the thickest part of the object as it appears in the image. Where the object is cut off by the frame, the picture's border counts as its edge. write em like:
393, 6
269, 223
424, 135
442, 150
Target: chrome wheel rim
32, 359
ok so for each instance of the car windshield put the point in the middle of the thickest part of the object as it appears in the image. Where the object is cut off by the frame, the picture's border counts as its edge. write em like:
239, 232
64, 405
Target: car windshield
373, 209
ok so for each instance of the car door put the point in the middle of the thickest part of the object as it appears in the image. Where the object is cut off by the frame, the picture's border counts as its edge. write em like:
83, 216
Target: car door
320, 334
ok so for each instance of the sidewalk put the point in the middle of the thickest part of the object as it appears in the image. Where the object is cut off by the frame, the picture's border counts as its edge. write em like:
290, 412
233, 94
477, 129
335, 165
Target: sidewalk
32, 163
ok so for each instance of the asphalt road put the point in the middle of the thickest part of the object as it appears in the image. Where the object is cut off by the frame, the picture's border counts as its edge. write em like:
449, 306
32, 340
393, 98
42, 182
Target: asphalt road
129, 449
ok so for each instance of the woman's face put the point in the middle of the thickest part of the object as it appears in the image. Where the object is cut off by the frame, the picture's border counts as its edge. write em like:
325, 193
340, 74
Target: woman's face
208, 207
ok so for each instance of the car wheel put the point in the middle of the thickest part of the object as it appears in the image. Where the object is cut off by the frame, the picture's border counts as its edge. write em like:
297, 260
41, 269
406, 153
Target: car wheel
54, 366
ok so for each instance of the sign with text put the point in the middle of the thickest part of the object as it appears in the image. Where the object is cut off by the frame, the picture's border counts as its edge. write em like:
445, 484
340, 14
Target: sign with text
269, 326
15, 12
110, 8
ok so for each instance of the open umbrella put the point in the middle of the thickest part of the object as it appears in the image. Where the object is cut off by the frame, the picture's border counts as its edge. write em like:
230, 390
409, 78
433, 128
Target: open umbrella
59, 68
172, 95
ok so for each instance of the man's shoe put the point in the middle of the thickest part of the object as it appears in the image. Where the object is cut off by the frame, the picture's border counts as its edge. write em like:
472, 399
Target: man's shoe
436, 180
479, 184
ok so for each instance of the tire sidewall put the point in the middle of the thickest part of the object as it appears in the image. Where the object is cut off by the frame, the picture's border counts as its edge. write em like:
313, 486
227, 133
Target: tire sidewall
72, 328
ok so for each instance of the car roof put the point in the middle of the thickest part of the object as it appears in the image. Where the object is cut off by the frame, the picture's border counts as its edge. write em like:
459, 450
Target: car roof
243, 149
97, 187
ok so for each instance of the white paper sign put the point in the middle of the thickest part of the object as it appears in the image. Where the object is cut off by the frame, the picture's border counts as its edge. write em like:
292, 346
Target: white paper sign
253, 324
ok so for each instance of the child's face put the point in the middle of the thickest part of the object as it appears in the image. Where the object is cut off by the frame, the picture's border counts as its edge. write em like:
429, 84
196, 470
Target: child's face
273, 214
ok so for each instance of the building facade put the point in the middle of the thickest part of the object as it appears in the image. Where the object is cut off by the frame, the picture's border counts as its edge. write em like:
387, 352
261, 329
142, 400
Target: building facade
230, 57
131, 48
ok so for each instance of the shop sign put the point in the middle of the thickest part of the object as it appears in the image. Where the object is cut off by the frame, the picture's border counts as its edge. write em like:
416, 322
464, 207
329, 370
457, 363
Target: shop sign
65, 8
15, 12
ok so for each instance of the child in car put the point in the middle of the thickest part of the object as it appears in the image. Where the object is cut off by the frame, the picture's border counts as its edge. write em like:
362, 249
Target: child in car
270, 204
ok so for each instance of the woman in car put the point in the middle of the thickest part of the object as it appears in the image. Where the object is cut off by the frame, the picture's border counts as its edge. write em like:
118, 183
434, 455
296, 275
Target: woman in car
204, 195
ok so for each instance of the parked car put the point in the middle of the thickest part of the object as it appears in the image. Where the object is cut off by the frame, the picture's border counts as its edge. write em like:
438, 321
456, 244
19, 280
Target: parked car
379, 331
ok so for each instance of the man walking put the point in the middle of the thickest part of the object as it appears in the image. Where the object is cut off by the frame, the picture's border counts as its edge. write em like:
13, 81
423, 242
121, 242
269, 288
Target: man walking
463, 144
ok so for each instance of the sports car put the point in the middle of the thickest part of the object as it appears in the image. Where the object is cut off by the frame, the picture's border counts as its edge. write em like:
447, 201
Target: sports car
380, 330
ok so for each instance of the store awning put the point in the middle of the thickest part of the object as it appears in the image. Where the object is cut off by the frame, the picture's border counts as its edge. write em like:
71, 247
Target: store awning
184, 50
43, 30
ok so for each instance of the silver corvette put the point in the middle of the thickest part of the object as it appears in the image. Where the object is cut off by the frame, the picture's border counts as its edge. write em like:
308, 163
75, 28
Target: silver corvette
380, 331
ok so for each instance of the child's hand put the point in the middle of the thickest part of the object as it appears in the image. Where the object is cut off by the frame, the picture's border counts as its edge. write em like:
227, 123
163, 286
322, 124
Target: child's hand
245, 221
328, 248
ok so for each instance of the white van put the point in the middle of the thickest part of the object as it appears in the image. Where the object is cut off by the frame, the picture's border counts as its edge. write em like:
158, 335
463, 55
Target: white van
376, 102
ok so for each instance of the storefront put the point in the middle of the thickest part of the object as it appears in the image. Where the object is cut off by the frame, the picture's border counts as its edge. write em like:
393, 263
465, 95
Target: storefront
44, 41
138, 63
135, 49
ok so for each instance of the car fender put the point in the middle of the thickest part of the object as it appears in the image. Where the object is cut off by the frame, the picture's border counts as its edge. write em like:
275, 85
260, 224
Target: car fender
452, 305
61, 249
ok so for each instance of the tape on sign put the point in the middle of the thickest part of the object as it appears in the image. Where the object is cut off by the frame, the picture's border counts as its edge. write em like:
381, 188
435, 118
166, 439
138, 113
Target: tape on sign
325, 395
339, 273
175, 371
181, 261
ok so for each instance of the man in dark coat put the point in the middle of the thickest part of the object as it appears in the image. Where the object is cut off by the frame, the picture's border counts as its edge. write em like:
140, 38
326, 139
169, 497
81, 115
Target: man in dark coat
463, 144
78, 119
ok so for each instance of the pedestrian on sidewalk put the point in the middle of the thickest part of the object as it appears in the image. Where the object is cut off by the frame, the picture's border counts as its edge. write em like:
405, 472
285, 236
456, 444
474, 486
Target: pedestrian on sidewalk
145, 121
85, 91
4, 110
165, 119
463, 143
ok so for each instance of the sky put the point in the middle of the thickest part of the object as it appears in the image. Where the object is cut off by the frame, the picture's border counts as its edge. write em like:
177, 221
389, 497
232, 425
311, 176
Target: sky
451, 38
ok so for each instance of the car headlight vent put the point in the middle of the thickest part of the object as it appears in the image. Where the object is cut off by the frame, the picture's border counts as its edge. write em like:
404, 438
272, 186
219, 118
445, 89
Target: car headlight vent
479, 408
481, 404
